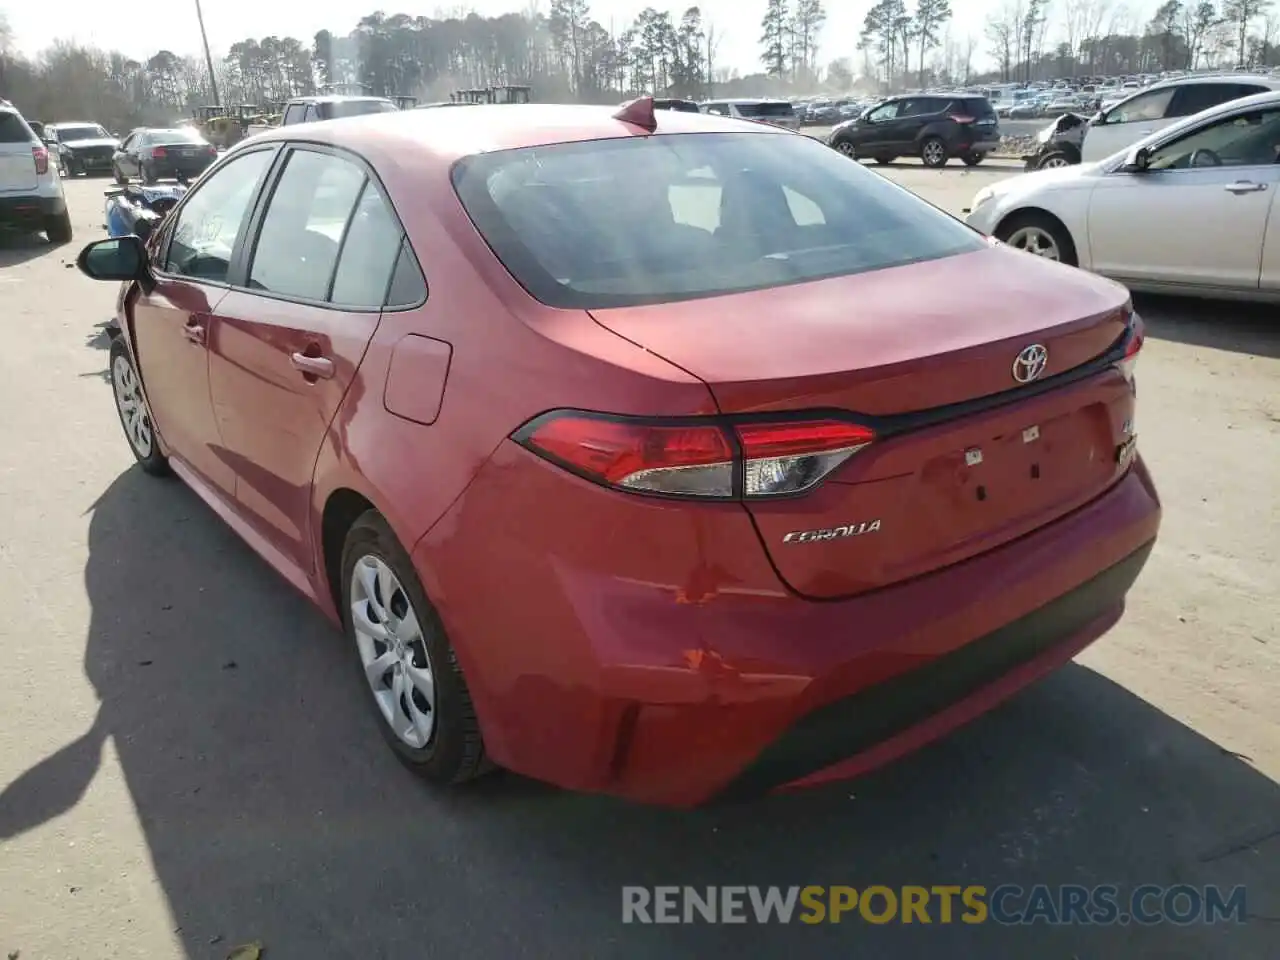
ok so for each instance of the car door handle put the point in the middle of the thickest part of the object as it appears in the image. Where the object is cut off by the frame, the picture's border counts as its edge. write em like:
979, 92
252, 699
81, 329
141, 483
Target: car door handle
1245, 186
195, 332
313, 366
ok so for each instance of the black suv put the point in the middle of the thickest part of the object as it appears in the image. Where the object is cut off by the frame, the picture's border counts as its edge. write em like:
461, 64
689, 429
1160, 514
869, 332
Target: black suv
933, 127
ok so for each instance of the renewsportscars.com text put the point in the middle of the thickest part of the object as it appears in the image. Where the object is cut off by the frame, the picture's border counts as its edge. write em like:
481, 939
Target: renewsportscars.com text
1007, 904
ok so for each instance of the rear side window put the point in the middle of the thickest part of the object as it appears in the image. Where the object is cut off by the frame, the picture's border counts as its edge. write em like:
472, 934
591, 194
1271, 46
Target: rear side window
646, 220
297, 245
13, 129
294, 112
772, 110
1194, 97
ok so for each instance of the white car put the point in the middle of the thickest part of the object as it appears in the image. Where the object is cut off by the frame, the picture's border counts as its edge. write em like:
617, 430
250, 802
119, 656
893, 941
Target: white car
1189, 210
31, 196
1126, 121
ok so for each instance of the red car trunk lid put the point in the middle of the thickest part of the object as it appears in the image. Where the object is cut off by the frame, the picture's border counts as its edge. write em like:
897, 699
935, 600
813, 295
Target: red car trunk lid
891, 347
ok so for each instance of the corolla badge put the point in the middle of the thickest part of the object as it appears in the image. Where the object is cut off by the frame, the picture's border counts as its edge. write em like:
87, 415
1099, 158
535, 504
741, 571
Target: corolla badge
1030, 363
832, 533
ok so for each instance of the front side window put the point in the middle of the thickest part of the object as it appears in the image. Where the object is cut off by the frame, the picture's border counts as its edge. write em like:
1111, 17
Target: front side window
213, 217
298, 243
647, 220
1143, 108
1251, 139
884, 112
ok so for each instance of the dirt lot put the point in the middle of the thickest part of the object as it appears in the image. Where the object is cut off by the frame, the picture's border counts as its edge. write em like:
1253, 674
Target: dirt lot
185, 763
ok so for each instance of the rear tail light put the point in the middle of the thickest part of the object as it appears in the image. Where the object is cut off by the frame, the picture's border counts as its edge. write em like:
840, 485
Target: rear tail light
213, 151
1136, 337
40, 154
158, 153
699, 458
962, 118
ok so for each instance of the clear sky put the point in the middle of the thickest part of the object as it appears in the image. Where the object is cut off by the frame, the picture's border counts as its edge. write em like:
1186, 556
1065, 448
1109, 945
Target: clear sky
173, 24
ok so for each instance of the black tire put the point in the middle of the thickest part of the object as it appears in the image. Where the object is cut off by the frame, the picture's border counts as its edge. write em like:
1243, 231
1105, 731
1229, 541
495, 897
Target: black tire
846, 148
933, 152
972, 159
58, 227
120, 177
455, 752
149, 458
1041, 221
885, 159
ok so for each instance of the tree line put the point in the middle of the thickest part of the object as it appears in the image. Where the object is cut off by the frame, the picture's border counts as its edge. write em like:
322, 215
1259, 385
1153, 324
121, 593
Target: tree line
566, 54
1050, 39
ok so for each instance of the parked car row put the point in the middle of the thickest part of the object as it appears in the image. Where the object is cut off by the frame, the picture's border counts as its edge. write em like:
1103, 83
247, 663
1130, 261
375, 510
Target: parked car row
1191, 208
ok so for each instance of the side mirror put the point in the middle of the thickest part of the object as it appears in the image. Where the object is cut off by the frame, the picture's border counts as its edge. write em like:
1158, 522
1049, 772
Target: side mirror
118, 258
1138, 160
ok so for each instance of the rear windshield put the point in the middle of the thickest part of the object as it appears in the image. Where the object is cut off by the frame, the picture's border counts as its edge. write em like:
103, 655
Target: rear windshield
647, 220
13, 129
158, 137
87, 131
358, 108
766, 109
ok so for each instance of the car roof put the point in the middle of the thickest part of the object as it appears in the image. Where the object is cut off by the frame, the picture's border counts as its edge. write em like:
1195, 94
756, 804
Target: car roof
335, 98
443, 136
1259, 79
748, 100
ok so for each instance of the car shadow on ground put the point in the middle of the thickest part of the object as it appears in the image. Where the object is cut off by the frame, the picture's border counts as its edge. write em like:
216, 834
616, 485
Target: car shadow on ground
273, 812
1252, 328
18, 247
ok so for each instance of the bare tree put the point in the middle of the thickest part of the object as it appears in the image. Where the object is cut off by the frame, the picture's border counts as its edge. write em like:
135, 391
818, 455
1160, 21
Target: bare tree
1002, 31
1240, 14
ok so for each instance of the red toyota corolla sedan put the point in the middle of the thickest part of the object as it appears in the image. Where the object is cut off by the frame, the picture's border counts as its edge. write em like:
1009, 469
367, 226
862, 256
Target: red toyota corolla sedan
678, 459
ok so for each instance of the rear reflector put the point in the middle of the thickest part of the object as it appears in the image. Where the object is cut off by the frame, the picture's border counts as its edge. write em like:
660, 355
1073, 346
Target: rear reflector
701, 458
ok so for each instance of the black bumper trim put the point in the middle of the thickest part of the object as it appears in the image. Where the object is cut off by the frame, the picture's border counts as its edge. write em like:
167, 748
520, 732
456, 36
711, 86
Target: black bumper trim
847, 727
33, 209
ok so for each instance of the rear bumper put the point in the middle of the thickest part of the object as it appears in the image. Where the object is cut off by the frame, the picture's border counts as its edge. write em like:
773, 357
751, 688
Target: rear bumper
189, 170
30, 210
616, 645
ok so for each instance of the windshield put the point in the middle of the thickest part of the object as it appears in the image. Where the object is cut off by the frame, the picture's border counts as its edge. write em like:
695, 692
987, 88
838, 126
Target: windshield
84, 131
766, 109
653, 219
357, 108
158, 137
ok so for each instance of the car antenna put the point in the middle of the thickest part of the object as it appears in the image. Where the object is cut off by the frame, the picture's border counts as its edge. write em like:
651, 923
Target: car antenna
638, 113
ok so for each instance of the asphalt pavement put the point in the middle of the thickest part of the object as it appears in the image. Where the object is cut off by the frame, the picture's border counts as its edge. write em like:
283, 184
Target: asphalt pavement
186, 763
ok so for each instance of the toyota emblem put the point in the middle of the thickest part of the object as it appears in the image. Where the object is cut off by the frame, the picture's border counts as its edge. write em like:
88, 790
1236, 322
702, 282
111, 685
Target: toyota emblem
1030, 363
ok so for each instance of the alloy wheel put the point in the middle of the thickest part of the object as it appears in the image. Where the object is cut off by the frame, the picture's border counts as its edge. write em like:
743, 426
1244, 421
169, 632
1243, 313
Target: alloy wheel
1054, 162
1036, 241
393, 651
934, 153
132, 406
